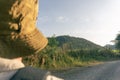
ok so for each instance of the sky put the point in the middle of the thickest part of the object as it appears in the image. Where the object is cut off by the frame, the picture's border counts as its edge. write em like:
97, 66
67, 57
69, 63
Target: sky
94, 20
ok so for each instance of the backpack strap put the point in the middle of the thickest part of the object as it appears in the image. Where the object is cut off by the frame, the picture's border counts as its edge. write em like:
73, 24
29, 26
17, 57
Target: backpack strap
29, 73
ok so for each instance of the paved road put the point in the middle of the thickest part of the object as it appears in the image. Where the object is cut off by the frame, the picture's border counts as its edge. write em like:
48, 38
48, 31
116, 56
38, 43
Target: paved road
106, 71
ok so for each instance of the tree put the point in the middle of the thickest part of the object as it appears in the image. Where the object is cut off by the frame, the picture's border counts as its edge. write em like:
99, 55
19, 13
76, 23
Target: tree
53, 42
117, 42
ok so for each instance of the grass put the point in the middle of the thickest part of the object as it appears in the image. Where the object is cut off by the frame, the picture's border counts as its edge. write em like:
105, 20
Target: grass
57, 60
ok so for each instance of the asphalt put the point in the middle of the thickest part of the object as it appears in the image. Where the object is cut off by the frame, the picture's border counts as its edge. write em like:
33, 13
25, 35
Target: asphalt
105, 71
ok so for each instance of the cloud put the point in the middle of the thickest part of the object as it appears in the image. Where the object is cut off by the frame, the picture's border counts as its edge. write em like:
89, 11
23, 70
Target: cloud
61, 19
43, 19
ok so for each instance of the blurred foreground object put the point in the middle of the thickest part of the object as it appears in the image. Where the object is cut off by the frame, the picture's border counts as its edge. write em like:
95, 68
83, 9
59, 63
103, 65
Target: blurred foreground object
18, 33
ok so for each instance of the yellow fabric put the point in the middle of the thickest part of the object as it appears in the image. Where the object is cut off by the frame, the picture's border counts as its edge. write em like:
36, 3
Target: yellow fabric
18, 33
18, 16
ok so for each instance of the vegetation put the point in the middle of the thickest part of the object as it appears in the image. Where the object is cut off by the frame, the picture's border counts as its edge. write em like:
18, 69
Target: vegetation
64, 52
117, 43
73, 43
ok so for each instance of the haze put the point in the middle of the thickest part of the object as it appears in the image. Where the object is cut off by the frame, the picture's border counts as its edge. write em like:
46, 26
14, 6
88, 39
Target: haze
94, 20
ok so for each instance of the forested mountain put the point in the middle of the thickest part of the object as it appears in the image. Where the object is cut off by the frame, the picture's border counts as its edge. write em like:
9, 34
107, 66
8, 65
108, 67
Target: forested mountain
74, 43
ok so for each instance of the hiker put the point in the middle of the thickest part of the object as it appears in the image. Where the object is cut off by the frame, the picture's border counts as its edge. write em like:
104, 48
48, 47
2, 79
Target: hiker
19, 37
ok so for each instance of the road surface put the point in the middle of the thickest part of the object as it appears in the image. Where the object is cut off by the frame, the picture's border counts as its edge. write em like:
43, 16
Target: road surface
105, 71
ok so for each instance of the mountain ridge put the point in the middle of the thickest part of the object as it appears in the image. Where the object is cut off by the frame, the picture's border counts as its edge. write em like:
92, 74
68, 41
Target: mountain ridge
72, 42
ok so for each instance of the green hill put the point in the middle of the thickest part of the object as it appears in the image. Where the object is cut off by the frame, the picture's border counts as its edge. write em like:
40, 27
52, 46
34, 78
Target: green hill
75, 43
